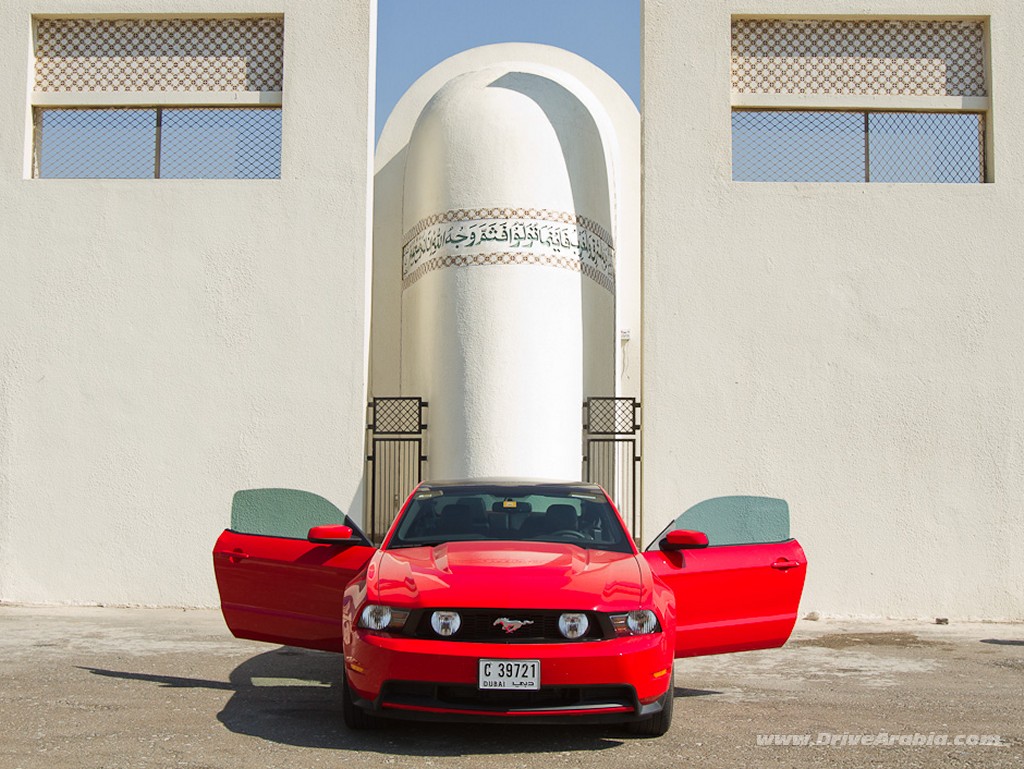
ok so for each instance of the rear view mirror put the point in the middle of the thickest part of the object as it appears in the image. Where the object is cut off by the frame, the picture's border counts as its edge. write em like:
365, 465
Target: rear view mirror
683, 539
330, 535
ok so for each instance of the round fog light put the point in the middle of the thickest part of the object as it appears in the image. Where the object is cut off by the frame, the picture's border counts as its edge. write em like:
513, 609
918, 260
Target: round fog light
376, 617
445, 623
573, 624
642, 622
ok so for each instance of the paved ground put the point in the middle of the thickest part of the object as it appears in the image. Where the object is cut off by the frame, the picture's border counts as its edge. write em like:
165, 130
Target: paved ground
138, 688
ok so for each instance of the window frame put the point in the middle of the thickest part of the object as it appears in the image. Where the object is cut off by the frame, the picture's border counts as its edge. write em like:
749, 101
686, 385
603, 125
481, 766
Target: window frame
209, 97
157, 139
865, 144
889, 102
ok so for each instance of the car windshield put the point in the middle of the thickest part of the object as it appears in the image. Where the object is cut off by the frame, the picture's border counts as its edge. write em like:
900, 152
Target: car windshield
576, 515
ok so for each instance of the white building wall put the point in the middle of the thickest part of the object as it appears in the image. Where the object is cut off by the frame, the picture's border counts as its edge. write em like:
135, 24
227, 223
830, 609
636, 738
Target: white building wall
853, 348
166, 343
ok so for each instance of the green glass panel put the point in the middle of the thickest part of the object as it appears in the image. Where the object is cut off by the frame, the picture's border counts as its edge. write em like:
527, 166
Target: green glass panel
286, 513
738, 520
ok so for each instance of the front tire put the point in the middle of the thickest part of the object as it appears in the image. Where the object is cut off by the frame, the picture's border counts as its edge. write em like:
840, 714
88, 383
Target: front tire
355, 717
658, 724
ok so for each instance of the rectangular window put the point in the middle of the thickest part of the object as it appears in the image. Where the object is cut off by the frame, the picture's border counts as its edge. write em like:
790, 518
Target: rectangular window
857, 146
212, 90
158, 142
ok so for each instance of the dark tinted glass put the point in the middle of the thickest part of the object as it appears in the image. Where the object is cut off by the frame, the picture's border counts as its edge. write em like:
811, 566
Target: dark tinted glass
575, 516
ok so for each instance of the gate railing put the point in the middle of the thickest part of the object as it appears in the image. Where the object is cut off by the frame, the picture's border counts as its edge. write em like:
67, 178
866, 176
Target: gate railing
611, 454
395, 455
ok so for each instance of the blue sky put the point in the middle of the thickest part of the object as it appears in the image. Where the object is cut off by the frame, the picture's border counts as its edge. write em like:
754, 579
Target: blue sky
414, 35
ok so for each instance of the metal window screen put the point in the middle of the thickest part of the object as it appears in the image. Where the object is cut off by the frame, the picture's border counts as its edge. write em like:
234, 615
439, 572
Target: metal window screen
95, 143
927, 147
820, 146
177, 143
221, 144
770, 146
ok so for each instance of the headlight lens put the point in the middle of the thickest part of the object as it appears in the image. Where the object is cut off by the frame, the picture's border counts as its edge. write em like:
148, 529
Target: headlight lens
573, 624
640, 622
445, 623
380, 617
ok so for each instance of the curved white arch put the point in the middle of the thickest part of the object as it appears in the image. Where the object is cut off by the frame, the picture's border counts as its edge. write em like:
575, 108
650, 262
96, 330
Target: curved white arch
444, 157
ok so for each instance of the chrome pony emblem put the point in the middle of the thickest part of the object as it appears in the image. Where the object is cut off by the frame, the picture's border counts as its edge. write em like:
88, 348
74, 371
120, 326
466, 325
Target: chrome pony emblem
511, 625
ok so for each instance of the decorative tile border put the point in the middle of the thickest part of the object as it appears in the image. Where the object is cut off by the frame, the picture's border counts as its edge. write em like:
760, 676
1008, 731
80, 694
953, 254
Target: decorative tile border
173, 54
509, 257
540, 214
462, 238
839, 56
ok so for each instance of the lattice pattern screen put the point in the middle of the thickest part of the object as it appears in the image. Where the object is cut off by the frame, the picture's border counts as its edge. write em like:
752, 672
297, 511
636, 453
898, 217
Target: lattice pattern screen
74, 55
172, 143
611, 416
902, 57
396, 416
820, 146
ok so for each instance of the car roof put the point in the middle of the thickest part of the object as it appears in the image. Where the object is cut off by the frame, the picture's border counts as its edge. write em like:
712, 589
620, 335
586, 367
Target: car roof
538, 483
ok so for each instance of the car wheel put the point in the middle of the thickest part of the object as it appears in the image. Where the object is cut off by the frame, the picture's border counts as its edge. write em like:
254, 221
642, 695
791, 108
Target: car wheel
659, 723
355, 717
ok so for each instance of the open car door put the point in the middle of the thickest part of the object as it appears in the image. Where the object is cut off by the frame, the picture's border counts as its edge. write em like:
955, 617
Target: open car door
275, 583
742, 590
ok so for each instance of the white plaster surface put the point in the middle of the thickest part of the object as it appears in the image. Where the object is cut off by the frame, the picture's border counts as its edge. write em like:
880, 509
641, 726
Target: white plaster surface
165, 343
854, 349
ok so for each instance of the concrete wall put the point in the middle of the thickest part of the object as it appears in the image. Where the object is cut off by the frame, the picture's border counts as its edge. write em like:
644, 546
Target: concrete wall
165, 343
854, 349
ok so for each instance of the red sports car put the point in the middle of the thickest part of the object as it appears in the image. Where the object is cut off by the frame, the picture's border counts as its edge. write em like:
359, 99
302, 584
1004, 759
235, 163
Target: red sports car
508, 599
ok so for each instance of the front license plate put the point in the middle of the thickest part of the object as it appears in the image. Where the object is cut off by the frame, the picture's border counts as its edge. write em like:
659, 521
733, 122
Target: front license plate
510, 674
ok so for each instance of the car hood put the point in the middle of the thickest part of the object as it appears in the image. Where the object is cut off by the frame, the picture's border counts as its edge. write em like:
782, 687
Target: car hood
536, 575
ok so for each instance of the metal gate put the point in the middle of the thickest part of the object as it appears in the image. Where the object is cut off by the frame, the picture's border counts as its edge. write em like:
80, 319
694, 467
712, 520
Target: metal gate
611, 454
395, 433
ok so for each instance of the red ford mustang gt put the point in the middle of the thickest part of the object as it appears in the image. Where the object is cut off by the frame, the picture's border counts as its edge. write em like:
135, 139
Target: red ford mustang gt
508, 599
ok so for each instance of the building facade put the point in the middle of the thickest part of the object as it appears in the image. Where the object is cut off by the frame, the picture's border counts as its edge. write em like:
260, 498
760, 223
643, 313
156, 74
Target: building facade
813, 311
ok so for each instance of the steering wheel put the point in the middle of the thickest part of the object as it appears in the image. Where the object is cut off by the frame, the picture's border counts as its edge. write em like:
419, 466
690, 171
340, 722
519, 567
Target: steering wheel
571, 533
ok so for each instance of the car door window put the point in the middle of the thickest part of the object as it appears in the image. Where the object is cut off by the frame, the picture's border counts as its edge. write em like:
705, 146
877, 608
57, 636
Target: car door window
734, 521
286, 513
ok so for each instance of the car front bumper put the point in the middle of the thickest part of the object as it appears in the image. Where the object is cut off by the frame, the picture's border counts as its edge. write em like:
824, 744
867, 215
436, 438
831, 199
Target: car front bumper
616, 679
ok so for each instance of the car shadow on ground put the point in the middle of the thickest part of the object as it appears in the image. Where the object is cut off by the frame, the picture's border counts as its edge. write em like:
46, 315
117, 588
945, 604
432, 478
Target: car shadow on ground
293, 696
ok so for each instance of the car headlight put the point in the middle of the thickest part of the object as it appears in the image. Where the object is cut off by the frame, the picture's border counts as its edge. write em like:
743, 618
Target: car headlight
640, 622
573, 624
445, 623
379, 617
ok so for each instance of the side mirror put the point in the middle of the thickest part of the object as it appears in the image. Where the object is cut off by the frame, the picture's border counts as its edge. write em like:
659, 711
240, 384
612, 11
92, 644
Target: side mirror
330, 535
684, 539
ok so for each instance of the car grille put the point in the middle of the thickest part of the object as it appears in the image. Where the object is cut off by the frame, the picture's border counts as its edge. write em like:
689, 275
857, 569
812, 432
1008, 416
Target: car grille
482, 626
548, 697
